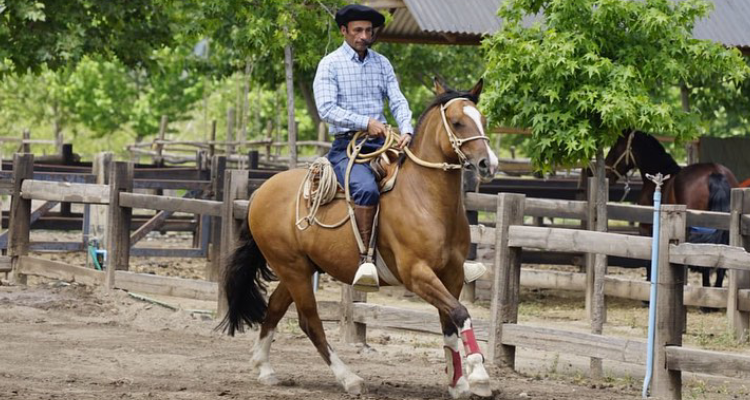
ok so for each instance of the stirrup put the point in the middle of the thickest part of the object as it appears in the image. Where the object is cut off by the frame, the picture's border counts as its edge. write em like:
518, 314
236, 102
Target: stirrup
473, 270
366, 278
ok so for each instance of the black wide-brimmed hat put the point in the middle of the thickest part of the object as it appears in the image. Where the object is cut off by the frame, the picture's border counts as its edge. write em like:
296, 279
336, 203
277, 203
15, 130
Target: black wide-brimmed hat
358, 12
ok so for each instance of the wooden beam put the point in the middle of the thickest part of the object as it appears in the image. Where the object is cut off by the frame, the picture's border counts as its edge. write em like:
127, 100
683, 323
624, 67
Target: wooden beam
575, 343
170, 203
58, 270
573, 240
166, 286
710, 255
708, 362
65, 192
154, 223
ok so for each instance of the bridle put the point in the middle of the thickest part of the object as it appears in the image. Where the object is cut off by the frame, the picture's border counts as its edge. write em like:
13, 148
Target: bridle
392, 139
629, 157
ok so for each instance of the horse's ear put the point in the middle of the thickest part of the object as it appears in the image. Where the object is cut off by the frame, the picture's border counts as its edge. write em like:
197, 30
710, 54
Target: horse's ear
477, 89
439, 85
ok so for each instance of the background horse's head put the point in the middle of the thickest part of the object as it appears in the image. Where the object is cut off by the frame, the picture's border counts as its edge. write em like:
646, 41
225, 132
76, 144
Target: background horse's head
640, 150
621, 159
464, 139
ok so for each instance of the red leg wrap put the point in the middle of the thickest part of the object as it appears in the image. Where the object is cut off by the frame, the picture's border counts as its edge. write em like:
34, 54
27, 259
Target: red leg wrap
454, 370
470, 342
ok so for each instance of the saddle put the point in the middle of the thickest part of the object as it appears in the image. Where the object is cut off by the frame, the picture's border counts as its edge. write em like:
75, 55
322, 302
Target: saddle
320, 176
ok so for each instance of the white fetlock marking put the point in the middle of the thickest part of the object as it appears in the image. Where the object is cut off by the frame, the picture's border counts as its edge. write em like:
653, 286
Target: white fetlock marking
260, 360
352, 383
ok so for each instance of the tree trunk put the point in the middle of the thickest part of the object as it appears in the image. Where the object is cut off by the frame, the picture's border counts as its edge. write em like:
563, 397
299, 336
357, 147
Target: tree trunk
312, 109
292, 126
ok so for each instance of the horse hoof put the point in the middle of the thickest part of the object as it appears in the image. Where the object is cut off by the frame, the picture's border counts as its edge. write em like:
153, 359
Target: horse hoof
461, 390
354, 385
481, 388
269, 380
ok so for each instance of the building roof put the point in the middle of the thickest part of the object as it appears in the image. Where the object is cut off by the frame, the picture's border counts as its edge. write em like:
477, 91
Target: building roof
467, 21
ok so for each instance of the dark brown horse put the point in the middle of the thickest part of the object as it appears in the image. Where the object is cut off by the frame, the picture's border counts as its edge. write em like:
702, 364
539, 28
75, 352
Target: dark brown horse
704, 186
423, 238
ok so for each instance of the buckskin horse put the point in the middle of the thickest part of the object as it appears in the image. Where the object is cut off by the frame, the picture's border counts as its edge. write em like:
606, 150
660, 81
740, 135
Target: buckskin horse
703, 186
423, 238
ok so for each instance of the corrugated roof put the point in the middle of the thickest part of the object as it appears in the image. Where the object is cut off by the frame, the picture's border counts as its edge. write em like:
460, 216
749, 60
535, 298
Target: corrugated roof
729, 23
466, 21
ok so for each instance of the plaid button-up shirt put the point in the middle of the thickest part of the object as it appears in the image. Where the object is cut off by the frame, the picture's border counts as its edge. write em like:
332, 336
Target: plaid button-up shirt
348, 92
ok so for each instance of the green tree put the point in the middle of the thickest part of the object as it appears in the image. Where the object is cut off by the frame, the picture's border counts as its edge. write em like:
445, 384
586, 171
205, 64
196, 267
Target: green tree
100, 94
597, 67
169, 88
56, 33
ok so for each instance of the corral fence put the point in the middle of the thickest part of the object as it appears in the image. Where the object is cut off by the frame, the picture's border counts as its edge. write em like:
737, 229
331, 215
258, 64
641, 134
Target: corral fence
509, 236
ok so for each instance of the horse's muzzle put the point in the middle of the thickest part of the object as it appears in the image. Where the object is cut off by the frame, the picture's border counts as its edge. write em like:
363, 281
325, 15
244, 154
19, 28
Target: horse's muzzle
484, 169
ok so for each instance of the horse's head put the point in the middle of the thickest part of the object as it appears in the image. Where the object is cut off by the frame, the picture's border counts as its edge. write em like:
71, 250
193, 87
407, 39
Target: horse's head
465, 139
620, 159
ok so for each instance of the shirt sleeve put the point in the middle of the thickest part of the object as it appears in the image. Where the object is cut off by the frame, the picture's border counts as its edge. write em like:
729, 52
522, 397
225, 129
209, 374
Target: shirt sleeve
325, 88
396, 100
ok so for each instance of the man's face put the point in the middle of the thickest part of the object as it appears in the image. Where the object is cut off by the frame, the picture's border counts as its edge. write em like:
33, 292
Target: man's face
358, 34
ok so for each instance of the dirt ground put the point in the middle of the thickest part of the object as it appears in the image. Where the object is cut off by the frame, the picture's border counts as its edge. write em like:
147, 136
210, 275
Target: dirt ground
61, 341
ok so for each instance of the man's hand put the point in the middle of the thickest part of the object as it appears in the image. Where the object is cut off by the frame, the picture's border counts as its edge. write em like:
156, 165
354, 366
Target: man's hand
375, 128
404, 140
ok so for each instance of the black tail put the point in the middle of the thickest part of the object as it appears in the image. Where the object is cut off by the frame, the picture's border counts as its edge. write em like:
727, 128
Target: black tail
244, 285
719, 192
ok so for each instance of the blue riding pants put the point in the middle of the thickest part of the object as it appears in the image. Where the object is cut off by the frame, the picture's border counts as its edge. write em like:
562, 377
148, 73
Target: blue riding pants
362, 186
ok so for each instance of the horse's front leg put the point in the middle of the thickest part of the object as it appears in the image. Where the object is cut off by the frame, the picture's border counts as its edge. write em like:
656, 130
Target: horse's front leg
458, 386
424, 283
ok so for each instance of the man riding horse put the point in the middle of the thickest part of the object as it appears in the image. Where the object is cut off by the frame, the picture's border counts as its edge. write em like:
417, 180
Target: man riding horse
351, 85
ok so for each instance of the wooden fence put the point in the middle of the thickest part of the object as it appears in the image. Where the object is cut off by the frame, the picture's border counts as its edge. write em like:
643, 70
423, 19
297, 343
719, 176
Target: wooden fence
509, 236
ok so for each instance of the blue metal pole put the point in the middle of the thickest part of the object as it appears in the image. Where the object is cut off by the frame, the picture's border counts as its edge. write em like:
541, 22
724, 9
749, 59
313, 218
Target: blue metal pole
658, 180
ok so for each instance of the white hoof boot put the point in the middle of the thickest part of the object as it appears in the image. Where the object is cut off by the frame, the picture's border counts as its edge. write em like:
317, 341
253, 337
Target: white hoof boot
353, 384
366, 278
461, 390
268, 379
473, 270
479, 381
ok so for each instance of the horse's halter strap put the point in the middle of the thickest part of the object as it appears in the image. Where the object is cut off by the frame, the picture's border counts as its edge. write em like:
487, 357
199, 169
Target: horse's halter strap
629, 157
457, 142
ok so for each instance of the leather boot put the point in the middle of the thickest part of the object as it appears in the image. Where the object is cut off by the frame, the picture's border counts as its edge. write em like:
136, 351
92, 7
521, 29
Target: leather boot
366, 278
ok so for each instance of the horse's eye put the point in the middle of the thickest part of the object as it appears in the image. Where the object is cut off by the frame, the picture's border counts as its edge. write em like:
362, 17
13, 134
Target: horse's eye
457, 124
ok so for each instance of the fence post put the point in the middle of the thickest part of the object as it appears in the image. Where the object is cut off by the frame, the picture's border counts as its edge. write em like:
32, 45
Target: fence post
230, 133
26, 144
507, 278
351, 332
667, 384
218, 168
118, 224
19, 221
597, 265
739, 321
159, 158
236, 185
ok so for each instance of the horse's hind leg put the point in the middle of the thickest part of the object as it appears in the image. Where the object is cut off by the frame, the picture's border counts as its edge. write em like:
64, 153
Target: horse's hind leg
277, 306
309, 321
720, 273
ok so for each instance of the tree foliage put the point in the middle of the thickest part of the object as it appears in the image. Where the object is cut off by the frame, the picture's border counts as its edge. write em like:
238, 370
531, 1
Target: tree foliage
56, 33
597, 67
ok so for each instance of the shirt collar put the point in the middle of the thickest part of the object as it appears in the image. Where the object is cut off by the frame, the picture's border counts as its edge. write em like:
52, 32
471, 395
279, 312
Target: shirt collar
352, 54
